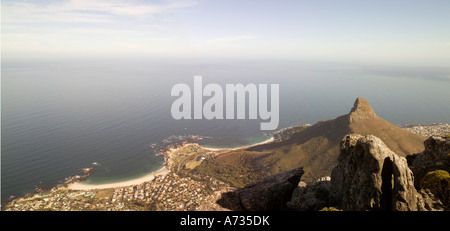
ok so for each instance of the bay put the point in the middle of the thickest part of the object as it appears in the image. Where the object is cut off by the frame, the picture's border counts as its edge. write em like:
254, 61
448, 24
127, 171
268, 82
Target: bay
59, 116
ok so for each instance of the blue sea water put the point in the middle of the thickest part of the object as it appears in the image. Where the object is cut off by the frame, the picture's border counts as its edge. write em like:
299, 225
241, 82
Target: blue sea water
59, 116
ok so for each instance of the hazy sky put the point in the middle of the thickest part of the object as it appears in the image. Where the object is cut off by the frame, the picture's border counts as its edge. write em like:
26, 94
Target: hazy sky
386, 31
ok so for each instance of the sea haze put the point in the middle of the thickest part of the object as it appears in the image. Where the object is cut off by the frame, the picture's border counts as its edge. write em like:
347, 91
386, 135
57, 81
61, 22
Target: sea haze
61, 116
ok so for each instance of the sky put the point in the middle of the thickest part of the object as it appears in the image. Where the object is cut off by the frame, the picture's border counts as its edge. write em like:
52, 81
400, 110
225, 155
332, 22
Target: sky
383, 31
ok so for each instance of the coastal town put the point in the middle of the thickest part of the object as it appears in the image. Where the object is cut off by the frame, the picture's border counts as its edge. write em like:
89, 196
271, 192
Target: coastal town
175, 189
429, 130
169, 192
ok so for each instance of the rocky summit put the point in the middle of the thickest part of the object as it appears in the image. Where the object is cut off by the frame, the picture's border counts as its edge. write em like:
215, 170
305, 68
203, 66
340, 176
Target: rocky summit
363, 120
361, 110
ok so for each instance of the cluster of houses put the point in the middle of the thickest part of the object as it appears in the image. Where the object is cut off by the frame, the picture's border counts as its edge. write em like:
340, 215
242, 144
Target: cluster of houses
58, 201
430, 130
166, 192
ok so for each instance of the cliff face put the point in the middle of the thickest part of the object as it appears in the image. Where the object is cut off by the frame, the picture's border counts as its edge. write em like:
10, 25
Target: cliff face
369, 176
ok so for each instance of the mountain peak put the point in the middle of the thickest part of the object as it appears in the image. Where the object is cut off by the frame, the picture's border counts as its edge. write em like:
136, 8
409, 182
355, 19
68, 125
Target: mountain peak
362, 106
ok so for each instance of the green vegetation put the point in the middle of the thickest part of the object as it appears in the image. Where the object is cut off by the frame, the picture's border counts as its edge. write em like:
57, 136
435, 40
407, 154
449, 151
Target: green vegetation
101, 194
192, 165
187, 158
438, 182
236, 175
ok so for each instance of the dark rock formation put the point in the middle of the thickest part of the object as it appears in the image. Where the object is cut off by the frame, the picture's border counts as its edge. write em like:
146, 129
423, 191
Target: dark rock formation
311, 197
268, 194
435, 157
369, 176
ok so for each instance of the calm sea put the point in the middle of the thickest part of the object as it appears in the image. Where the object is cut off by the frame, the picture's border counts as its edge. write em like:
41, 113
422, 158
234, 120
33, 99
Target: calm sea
60, 116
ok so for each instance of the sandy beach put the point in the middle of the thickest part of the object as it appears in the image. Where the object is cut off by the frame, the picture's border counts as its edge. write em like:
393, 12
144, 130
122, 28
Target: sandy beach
231, 149
148, 177
140, 180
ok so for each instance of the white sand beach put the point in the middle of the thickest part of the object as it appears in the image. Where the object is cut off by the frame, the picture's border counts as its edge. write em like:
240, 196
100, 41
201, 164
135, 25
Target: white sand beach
248, 146
140, 180
148, 177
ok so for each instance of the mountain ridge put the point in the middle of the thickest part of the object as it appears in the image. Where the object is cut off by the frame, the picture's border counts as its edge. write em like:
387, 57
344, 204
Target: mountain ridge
316, 147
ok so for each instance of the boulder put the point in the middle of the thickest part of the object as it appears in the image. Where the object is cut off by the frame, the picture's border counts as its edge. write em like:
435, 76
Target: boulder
311, 197
369, 176
436, 156
268, 194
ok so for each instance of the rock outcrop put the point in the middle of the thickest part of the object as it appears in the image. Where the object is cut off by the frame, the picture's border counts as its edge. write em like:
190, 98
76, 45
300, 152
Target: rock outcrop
311, 197
268, 194
361, 110
435, 157
369, 176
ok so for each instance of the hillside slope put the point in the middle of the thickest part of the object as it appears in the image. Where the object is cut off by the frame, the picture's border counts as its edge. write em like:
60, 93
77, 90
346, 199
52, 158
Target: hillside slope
315, 148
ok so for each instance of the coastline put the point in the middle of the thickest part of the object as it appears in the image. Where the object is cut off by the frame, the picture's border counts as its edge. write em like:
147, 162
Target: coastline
242, 147
80, 185
86, 187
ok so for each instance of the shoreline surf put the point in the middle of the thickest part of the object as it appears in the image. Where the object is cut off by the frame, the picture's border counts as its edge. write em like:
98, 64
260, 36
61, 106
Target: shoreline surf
82, 185
271, 139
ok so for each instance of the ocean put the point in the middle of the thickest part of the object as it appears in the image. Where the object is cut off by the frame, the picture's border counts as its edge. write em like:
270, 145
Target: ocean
60, 116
